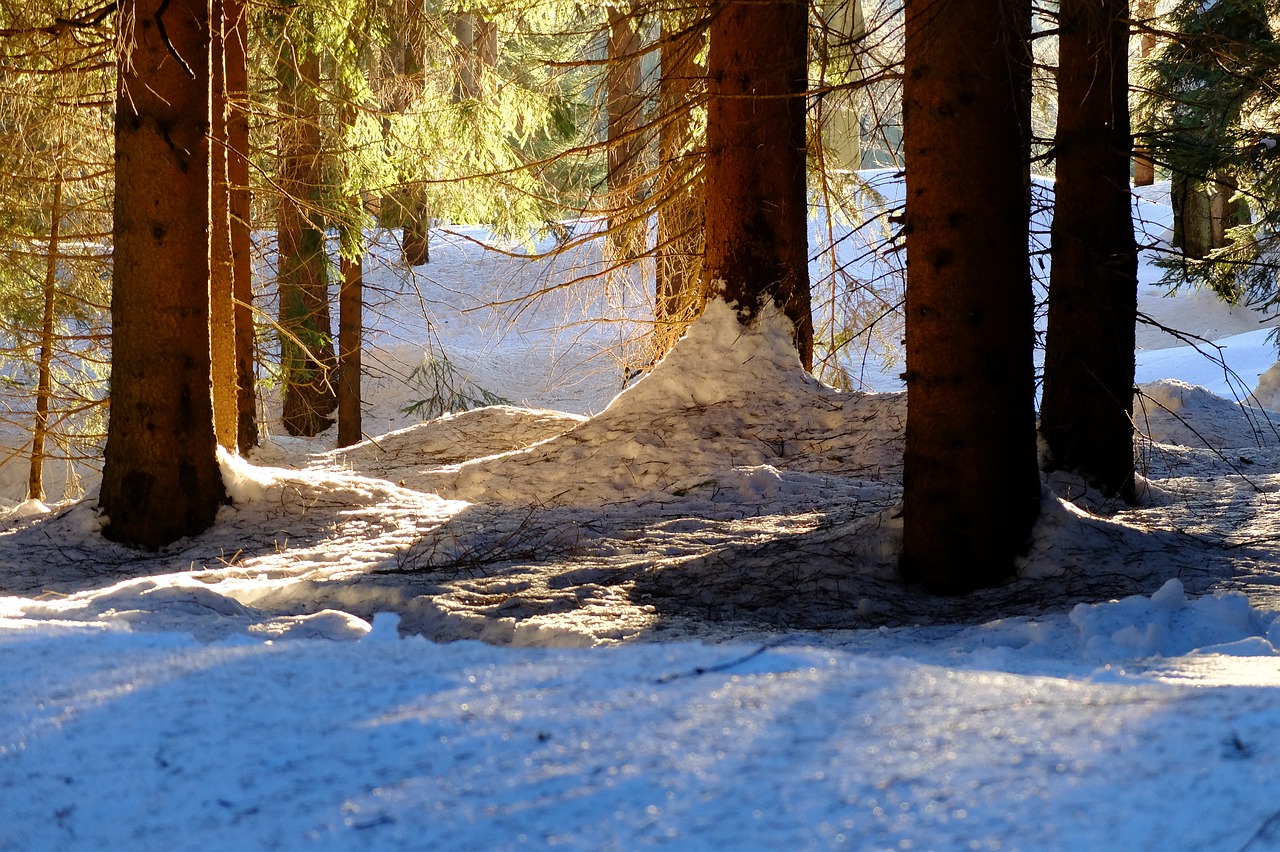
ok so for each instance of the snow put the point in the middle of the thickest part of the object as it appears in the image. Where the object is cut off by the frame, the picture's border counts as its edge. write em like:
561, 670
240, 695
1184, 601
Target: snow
675, 621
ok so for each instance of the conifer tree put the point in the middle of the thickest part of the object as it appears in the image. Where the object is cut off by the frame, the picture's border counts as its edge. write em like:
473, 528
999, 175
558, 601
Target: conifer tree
307, 358
1087, 405
971, 487
160, 480
1207, 115
756, 213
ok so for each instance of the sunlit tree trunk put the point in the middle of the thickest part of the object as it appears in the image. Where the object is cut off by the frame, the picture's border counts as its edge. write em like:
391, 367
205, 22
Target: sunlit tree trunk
44, 363
1144, 169
625, 107
306, 347
235, 24
970, 479
1086, 415
221, 266
679, 194
756, 215
160, 478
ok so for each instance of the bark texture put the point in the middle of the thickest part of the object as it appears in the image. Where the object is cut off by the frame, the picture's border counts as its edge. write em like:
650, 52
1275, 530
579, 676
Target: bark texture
160, 479
1086, 414
756, 214
235, 41
222, 319
306, 328
971, 483
350, 334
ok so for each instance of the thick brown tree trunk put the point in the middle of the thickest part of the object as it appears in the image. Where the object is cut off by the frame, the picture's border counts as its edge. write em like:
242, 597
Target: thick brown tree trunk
306, 346
1086, 415
679, 195
160, 478
971, 484
756, 214
222, 317
626, 234
235, 23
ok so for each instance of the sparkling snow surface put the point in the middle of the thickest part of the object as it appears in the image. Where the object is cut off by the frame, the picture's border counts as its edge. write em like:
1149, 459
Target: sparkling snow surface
690, 632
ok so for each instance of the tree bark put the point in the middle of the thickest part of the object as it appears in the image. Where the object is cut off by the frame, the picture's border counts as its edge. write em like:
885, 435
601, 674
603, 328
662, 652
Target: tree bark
1144, 168
756, 214
306, 346
677, 297
970, 479
415, 231
350, 333
44, 364
222, 317
160, 478
1086, 414
235, 24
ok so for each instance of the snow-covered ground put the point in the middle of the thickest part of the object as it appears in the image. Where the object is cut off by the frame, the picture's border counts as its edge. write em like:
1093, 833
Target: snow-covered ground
668, 617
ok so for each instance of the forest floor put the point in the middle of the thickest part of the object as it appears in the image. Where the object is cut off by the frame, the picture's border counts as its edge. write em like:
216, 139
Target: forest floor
690, 627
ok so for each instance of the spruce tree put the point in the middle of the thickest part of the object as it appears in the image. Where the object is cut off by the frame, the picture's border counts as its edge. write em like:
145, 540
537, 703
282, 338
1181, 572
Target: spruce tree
971, 486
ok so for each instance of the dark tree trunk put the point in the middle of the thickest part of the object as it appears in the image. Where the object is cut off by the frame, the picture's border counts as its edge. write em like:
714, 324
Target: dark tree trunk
306, 331
415, 243
626, 234
160, 478
239, 203
756, 215
679, 196
970, 479
1086, 415
350, 333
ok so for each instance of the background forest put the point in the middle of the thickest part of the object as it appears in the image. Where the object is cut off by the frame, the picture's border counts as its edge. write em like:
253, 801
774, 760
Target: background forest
582, 130
483, 425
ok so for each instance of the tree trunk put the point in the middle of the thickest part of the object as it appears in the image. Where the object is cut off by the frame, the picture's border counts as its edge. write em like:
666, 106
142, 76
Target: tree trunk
1192, 216
239, 210
1086, 414
756, 214
415, 231
1144, 168
307, 359
350, 333
625, 238
677, 297
44, 364
1225, 211
222, 317
160, 478
970, 479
